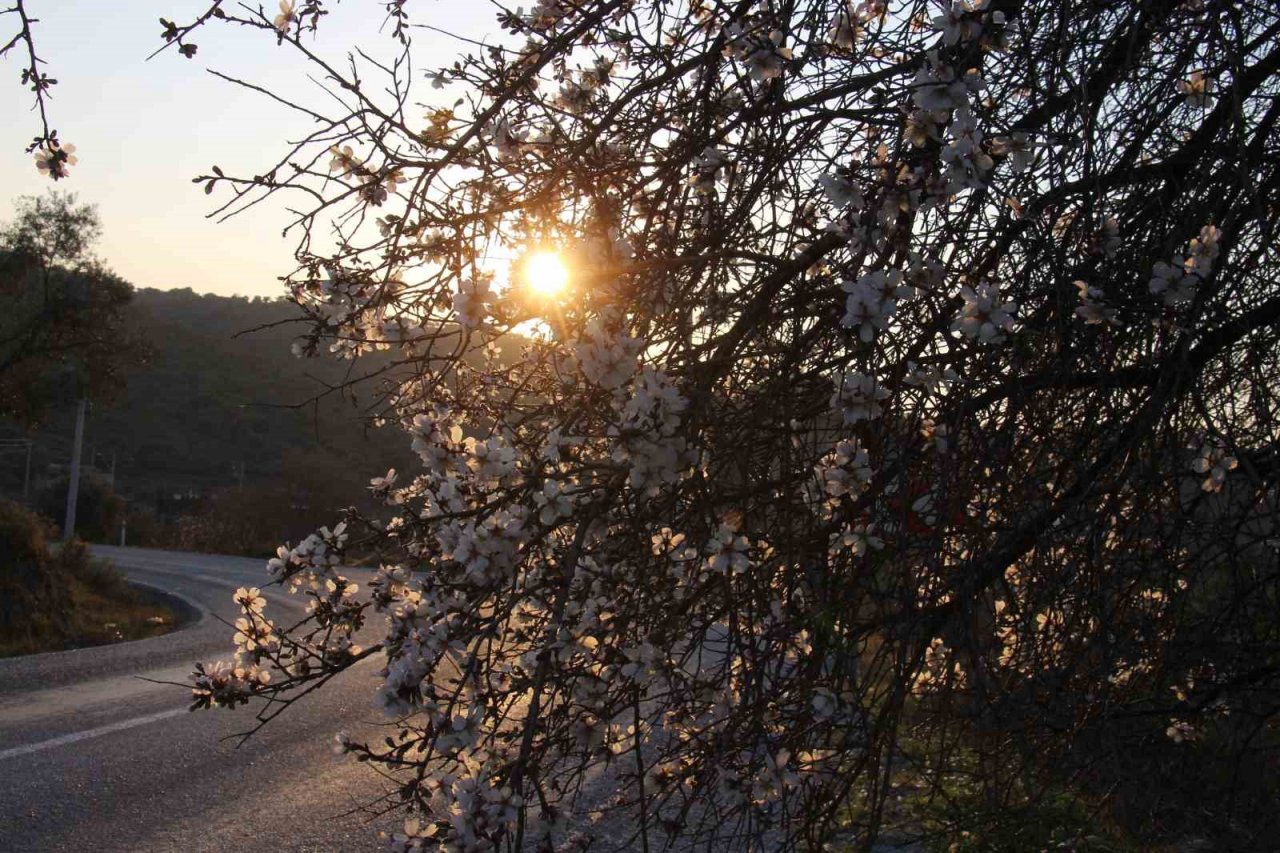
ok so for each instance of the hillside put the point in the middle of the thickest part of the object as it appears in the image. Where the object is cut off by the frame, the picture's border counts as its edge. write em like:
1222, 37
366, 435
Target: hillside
214, 407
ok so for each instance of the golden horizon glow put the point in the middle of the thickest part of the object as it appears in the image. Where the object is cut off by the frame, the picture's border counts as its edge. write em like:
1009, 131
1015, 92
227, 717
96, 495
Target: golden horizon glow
545, 273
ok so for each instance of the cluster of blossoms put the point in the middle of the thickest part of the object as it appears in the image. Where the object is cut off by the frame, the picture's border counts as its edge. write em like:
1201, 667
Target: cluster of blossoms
374, 186
604, 358
1093, 308
1215, 463
858, 397
649, 432
760, 51
226, 685
849, 25
845, 471
577, 95
346, 300
986, 316
312, 561
1175, 281
873, 299
471, 302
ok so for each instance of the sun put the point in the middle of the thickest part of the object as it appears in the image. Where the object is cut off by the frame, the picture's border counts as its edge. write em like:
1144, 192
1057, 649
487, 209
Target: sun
545, 273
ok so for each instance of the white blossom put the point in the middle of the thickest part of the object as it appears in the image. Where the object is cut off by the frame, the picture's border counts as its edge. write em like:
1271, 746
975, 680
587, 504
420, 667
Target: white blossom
1213, 461
986, 316
727, 552
846, 470
858, 397
471, 302
1093, 308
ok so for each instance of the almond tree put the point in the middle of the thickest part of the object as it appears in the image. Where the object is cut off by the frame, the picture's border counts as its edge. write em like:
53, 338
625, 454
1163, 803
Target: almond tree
908, 411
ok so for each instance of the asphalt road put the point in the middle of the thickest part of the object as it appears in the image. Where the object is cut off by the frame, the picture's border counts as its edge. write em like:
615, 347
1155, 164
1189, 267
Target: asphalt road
94, 758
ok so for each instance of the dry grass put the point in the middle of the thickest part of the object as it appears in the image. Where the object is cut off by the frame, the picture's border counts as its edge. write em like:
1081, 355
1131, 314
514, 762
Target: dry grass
64, 599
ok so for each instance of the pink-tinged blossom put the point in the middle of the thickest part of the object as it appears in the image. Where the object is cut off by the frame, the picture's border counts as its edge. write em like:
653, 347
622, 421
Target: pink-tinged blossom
846, 29
854, 539
56, 160
343, 160
767, 61
250, 599
223, 684
285, 19
1017, 148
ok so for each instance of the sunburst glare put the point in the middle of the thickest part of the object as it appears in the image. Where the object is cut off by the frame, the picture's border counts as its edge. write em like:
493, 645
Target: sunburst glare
545, 273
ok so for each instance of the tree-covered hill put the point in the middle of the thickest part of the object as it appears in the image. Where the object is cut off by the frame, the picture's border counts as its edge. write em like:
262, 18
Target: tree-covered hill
214, 407
212, 401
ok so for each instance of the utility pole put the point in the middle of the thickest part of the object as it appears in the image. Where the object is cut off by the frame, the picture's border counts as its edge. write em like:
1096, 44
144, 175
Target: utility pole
73, 487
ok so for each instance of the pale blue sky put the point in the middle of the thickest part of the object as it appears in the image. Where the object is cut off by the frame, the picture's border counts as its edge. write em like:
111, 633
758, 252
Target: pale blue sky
143, 129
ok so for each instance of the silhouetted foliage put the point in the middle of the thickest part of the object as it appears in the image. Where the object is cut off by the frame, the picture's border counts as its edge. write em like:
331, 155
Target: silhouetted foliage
62, 330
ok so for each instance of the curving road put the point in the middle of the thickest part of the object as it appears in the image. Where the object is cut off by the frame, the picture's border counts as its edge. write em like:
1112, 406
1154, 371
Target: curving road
93, 758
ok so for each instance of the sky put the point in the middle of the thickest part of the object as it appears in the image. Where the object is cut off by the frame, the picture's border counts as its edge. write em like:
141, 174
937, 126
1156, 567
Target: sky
143, 129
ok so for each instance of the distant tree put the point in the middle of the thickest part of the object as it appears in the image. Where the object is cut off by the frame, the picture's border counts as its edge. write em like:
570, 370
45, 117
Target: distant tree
63, 324
907, 426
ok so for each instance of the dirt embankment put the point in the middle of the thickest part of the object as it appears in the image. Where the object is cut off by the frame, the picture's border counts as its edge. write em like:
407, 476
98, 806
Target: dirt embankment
61, 598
